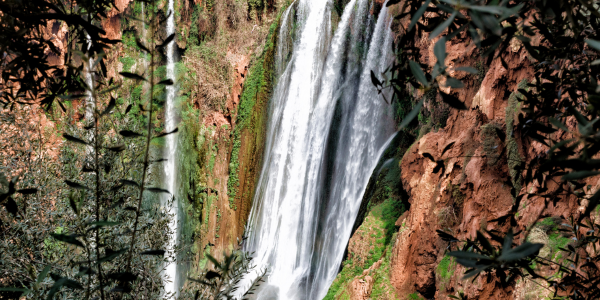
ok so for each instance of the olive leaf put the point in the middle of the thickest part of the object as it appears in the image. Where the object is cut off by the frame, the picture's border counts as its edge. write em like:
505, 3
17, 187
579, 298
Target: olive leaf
157, 190
69, 239
132, 76
467, 69
165, 82
412, 114
162, 134
129, 133
110, 255
438, 30
153, 252
71, 138
418, 15
117, 148
141, 45
453, 101
169, 39
110, 107
27, 191
129, 182
418, 73
76, 185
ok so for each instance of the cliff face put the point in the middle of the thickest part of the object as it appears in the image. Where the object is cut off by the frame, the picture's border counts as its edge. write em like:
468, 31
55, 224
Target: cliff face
475, 186
221, 46
480, 147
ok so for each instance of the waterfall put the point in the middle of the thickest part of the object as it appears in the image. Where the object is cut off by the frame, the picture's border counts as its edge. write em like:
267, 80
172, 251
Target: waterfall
144, 54
143, 21
327, 128
170, 172
90, 102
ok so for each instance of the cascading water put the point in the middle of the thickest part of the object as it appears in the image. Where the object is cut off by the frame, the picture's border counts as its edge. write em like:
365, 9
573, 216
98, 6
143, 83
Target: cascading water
170, 273
90, 103
143, 24
327, 129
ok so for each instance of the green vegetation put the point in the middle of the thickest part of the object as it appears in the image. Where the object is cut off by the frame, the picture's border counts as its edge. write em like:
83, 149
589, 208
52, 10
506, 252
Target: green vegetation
115, 215
457, 195
378, 228
129, 41
391, 210
446, 267
556, 125
425, 128
445, 271
414, 296
382, 206
556, 240
100, 204
213, 157
209, 205
382, 286
127, 62
53, 247
548, 224
257, 7
402, 108
257, 89
195, 37
218, 227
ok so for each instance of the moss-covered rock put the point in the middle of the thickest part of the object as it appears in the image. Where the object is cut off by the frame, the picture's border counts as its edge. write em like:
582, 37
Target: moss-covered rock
369, 253
250, 127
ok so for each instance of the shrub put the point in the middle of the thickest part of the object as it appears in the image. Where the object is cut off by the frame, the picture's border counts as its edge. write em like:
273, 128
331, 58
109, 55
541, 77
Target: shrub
127, 62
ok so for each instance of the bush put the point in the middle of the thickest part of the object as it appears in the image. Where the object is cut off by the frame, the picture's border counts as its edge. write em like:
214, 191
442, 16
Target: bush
127, 62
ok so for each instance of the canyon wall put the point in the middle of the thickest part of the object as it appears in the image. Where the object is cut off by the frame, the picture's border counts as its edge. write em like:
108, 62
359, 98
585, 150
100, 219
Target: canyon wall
479, 147
226, 87
227, 53
224, 76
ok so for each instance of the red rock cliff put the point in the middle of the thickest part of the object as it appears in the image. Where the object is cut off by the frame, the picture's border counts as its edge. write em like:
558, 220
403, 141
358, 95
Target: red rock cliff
475, 187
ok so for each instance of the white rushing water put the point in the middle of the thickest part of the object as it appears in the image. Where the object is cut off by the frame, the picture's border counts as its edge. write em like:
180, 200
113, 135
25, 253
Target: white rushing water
143, 24
327, 129
170, 172
90, 102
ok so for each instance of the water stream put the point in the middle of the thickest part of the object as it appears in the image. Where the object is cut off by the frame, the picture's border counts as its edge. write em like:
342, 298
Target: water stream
170, 172
327, 128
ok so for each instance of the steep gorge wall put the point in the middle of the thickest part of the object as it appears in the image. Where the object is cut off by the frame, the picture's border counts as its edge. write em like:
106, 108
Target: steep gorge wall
227, 116
475, 188
232, 152
479, 147
224, 75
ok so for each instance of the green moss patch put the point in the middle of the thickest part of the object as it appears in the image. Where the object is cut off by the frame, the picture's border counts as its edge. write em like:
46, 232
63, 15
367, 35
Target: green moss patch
251, 114
556, 240
445, 271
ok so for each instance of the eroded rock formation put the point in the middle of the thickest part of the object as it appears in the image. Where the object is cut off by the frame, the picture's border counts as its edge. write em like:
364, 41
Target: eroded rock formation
479, 147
